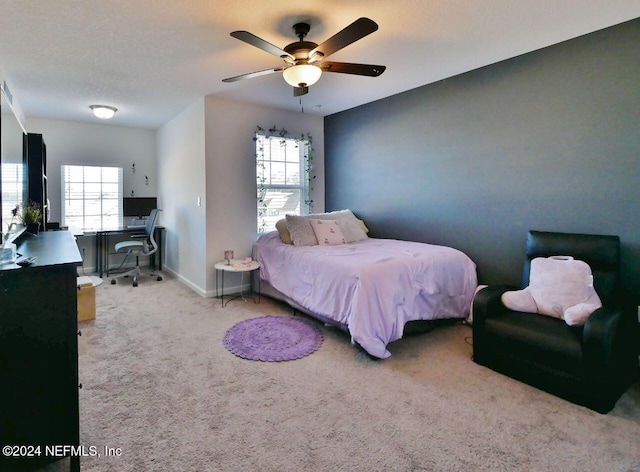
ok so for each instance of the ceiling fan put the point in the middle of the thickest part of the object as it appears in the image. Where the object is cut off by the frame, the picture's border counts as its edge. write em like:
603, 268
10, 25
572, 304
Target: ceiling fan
305, 60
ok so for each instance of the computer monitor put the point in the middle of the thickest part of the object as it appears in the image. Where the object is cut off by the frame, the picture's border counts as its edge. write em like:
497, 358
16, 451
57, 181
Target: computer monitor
138, 207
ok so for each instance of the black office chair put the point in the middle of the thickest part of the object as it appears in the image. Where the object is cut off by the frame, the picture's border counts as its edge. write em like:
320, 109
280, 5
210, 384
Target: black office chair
142, 244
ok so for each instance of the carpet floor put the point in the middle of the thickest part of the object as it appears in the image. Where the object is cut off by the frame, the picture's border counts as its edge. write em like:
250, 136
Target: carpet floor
163, 393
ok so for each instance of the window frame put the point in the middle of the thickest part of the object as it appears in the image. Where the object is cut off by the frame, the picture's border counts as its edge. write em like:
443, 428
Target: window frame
12, 176
103, 219
265, 221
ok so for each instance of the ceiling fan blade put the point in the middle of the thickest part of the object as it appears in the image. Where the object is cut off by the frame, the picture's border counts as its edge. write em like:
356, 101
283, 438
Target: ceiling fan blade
261, 44
349, 68
299, 91
254, 74
352, 33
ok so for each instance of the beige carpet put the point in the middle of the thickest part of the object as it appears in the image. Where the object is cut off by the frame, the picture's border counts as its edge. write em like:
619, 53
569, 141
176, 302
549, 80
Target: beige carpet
159, 385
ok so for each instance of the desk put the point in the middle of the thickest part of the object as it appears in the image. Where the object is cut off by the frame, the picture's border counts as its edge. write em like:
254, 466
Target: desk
102, 246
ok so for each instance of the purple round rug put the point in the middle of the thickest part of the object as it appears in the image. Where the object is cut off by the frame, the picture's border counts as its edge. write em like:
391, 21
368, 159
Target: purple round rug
272, 339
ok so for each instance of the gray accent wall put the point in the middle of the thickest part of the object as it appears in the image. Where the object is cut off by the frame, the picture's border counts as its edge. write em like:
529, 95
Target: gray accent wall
549, 140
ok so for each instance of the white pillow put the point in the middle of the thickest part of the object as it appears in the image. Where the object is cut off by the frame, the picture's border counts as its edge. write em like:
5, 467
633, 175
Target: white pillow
327, 232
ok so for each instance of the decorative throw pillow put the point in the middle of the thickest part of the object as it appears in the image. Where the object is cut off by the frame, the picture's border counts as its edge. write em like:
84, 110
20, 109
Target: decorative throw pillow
348, 224
327, 232
281, 226
559, 286
302, 234
300, 230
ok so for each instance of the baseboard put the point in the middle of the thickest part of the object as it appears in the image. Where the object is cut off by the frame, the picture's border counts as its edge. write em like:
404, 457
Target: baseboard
85, 269
196, 288
91, 270
233, 290
228, 290
88, 270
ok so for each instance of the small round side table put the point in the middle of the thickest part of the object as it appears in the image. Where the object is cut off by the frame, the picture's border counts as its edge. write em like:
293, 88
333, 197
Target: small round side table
236, 265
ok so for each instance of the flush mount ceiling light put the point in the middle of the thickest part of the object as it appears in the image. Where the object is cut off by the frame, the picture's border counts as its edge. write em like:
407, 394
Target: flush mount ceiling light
104, 112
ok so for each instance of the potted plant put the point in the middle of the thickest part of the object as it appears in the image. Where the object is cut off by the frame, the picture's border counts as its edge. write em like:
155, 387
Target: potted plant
31, 217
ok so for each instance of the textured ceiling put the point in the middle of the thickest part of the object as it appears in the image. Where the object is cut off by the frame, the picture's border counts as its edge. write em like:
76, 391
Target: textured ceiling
151, 59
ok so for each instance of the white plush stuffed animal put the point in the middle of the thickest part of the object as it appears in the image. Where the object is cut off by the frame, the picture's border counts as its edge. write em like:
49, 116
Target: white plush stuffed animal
559, 286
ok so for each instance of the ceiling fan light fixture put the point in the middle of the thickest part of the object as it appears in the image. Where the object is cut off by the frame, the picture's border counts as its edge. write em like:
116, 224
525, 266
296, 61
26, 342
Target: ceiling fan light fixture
302, 75
104, 112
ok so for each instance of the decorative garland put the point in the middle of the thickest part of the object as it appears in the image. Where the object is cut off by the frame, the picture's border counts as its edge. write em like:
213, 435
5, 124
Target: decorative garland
259, 156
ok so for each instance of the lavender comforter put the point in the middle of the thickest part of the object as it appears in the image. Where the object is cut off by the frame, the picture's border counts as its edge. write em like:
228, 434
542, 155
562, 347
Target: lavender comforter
373, 286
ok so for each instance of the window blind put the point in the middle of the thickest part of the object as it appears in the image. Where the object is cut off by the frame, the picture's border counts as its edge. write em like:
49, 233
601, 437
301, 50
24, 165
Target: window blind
91, 197
12, 192
281, 178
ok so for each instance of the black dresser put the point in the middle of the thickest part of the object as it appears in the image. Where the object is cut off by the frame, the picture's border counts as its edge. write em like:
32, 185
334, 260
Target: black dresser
39, 354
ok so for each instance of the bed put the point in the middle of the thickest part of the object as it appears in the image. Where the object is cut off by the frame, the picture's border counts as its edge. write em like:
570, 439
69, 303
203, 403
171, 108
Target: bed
369, 287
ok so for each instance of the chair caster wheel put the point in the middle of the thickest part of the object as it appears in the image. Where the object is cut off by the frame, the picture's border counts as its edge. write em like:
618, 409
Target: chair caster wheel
159, 278
135, 283
113, 281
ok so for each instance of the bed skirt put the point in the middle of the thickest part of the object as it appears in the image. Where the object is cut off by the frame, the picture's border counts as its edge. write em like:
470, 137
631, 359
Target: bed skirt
412, 327
267, 289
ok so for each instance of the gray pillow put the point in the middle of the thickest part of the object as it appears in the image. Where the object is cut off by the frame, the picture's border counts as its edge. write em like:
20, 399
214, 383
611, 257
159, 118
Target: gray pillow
300, 230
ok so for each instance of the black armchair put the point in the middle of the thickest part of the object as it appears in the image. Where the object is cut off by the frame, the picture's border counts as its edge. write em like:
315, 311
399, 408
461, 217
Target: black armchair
591, 365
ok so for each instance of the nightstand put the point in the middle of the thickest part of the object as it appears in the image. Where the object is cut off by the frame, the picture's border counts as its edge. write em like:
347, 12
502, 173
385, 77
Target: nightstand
235, 265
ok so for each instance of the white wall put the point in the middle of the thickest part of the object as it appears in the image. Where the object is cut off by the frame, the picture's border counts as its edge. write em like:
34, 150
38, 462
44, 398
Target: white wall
11, 138
231, 179
70, 142
182, 180
205, 152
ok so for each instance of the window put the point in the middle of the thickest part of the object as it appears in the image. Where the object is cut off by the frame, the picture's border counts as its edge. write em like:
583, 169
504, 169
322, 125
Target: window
91, 197
12, 192
282, 175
